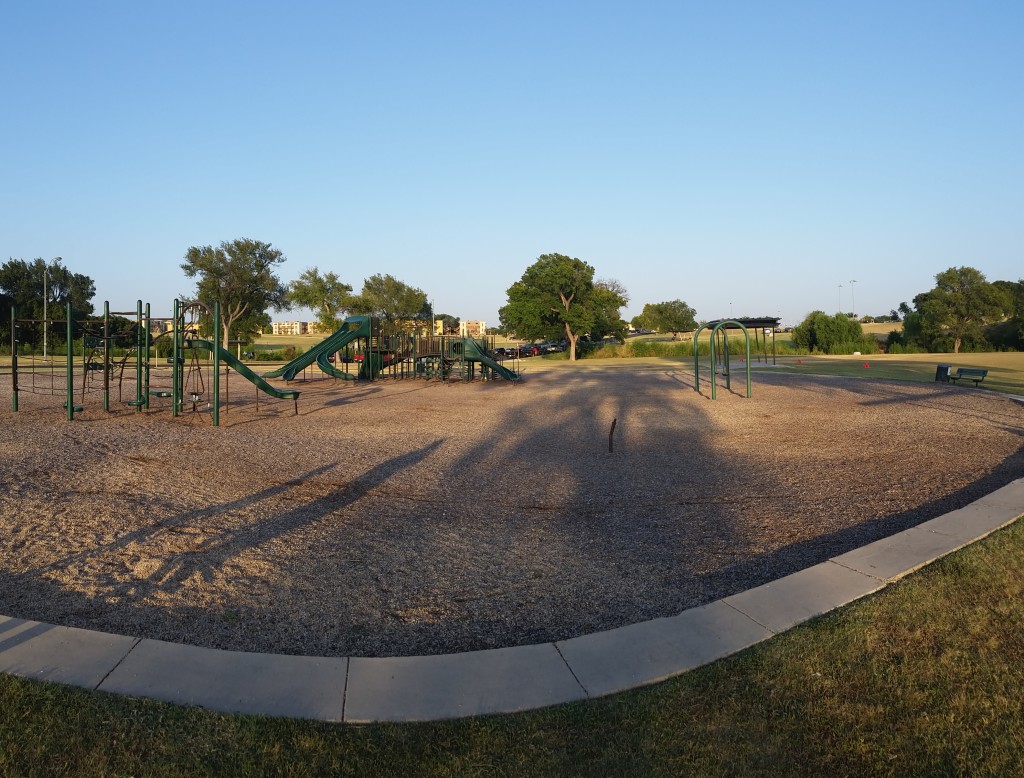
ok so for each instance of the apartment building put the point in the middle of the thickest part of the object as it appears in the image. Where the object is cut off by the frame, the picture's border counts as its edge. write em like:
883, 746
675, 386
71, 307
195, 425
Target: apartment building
289, 327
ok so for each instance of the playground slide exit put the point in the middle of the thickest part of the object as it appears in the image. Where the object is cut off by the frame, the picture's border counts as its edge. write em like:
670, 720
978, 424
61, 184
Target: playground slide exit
353, 327
472, 351
243, 370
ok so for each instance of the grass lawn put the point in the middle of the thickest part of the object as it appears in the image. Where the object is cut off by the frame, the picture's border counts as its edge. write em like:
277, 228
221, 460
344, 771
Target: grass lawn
1005, 369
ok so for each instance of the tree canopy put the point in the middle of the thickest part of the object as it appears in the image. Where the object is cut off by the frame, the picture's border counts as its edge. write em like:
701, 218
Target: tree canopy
609, 296
394, 301
960, 306
22, 283
240, 276
557, 298
450, 325
673, 316
327, 295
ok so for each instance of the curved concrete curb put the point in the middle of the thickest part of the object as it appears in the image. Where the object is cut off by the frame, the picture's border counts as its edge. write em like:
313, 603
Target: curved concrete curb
421, 688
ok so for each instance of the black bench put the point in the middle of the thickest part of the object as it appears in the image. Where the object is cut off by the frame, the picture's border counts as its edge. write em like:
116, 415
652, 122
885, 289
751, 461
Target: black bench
975, 374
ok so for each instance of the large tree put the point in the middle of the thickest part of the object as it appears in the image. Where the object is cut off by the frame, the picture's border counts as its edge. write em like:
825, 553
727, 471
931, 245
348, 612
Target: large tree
394, 301
960, 306
557, 298
240, 276
673, 316
326, 294
22, 284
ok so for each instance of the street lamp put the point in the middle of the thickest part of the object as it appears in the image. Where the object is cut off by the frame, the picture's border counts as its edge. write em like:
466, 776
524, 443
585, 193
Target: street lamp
840, 298
46, 274
853, 298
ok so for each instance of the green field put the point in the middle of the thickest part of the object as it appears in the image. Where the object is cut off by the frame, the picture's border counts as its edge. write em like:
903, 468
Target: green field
1005, 369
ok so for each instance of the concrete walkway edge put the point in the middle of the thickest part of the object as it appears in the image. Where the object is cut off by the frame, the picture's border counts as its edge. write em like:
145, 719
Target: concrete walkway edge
504, 680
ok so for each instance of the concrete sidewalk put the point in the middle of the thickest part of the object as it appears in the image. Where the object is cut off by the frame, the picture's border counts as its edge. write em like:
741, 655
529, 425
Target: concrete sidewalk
421, 688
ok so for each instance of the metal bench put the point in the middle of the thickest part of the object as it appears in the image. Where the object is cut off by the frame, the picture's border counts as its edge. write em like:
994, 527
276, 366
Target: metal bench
975, 374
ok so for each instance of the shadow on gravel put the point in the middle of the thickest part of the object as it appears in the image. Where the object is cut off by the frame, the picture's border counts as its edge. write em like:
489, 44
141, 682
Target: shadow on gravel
525, 528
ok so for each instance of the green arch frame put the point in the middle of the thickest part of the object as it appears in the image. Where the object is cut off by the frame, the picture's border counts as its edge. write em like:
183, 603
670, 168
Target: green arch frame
714, 338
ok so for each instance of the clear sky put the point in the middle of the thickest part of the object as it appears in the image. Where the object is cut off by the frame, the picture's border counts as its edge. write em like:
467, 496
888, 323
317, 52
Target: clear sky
752, 158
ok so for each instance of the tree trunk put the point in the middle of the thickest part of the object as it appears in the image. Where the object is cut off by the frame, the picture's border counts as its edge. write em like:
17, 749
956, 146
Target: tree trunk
956, 345
226, 327
572, 343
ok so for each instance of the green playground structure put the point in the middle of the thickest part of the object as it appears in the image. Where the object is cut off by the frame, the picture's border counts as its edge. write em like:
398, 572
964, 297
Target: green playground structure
353, 328
400, 354
243, 370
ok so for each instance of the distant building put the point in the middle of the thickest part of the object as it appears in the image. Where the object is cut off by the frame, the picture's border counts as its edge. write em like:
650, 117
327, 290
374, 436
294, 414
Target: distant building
290, 327
472, 329
316, 328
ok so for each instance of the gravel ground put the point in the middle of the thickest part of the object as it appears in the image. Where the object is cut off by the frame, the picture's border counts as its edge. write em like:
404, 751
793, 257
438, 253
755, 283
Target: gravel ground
411, 517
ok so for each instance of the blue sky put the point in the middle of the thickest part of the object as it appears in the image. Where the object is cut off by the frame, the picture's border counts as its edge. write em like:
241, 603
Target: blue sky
746, 157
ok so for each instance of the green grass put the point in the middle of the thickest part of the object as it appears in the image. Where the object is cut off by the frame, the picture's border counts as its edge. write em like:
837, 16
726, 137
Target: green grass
1005, 369
924, 678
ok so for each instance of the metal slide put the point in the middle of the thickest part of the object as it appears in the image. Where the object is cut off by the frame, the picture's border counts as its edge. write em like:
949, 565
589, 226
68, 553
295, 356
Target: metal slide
471, 350
243, 370
353, 327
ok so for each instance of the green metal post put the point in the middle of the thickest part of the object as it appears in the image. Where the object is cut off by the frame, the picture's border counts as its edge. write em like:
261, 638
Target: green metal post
106, 355
14, 364
149, 344
176, 388
696, 357
748, 364
69, 328
138, 357
216, 364
714, 362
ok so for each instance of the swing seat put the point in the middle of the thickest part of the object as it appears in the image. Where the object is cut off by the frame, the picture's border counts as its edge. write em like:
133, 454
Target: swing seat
161, 393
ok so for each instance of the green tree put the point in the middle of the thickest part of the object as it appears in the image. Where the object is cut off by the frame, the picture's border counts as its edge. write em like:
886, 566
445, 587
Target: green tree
960, 306
609, 296
557, 298
449, 324
673, 316
240, 276
394, 301
326, 294
22, 284
838, 334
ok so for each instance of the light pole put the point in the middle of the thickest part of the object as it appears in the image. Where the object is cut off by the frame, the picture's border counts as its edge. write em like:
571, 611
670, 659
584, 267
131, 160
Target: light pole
46, 273
853, 298
840, 298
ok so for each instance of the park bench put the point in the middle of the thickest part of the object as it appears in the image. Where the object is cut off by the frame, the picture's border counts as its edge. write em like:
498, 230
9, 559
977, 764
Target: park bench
975, 374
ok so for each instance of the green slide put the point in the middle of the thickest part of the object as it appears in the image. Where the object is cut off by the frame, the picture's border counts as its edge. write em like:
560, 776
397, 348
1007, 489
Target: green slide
324, 364
353, 327
242, 369
471, 350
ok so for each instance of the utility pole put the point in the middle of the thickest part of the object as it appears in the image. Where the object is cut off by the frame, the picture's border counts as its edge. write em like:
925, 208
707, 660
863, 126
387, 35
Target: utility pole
46, 294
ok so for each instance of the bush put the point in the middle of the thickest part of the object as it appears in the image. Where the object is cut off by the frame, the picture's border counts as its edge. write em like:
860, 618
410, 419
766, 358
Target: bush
269, 356
837, 334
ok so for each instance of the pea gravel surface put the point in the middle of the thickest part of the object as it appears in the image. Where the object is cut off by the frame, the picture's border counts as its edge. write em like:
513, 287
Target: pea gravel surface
414, 517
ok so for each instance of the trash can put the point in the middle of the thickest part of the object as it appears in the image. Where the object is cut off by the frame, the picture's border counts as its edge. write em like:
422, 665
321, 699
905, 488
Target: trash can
942, 373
